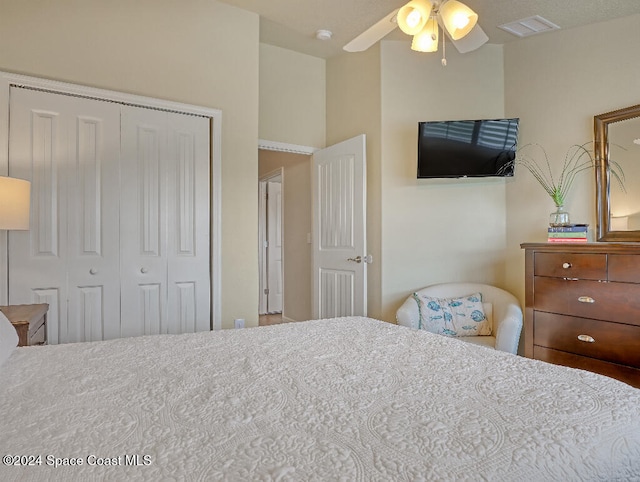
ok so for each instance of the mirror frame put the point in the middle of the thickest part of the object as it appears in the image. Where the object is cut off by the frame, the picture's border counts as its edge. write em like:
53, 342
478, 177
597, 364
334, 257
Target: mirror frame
603, 185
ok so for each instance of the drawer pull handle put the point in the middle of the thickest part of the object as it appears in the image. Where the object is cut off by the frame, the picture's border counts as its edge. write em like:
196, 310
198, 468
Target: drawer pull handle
586, 338
566, 265
586, 299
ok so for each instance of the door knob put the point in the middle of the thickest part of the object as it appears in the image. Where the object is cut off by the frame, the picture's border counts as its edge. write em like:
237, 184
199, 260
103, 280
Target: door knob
93, 271
359, 259
144, 270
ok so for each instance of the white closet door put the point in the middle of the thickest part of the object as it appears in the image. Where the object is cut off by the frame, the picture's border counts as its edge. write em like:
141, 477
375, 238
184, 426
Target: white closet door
93, 207
143, 240
164, 222
188, 216
68, 148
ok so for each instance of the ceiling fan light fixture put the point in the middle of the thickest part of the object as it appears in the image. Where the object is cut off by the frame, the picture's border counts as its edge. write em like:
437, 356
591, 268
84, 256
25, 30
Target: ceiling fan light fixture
414, 16
457, 18
427, 39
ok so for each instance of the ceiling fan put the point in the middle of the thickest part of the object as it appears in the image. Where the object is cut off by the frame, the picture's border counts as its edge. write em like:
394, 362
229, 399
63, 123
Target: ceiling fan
423, 19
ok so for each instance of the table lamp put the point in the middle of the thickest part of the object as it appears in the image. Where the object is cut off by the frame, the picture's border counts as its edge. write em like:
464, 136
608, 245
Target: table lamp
14, 203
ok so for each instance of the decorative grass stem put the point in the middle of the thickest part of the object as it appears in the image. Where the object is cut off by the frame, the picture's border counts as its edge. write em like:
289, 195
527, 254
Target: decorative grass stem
577, 159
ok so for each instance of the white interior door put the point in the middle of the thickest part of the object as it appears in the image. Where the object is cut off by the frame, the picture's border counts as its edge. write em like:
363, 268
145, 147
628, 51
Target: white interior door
339, 230
274, 247
66, 141
262, 242
68, 147
164, 223
93, 206
120, 228
188, 222
143, 242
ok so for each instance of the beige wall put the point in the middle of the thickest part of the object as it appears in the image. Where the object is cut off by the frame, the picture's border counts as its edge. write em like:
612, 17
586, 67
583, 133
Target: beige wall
437, 230
556, 83
296, 195
203, 52
353, 108
292, 97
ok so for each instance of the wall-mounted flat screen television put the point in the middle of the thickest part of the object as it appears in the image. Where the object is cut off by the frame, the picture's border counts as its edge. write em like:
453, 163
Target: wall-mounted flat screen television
467, 148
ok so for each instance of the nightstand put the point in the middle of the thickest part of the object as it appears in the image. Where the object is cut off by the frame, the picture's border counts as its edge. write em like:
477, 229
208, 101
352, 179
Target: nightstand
30, 321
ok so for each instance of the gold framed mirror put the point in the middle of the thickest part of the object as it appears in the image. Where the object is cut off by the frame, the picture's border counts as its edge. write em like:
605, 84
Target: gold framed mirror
617, 140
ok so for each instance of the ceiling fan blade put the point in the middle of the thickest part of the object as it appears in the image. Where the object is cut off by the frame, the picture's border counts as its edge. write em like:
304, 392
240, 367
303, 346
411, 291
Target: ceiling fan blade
472, 41
374, 33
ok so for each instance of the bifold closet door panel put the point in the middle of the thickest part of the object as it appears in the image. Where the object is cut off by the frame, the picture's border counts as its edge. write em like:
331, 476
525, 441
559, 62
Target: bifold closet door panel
164, 225
93, 207
143, 221
68, 147
188, 218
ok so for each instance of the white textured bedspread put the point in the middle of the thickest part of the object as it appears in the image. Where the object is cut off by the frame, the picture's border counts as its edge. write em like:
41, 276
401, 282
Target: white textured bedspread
341, 399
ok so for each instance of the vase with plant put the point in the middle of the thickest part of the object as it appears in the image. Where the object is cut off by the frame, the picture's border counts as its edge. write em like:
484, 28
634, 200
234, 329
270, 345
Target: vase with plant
577, 159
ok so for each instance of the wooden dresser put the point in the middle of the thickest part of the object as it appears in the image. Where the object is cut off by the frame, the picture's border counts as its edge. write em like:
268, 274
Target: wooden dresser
582, 307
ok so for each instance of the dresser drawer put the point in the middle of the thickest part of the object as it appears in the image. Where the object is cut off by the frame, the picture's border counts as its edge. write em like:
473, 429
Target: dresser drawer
571, 265
624, 373
624, 267
614, 342
619, 302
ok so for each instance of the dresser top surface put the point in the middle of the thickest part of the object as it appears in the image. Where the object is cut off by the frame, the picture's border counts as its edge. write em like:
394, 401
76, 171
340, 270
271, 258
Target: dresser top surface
24, 313
629, 248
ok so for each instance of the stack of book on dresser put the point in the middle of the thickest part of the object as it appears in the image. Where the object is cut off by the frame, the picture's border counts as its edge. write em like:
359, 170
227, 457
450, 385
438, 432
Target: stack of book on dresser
571, 233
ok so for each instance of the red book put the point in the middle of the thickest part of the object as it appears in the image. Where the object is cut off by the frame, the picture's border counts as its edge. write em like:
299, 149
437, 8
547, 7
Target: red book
566, 240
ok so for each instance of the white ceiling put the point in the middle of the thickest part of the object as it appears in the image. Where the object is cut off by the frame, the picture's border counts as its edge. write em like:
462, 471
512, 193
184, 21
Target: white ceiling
292, 24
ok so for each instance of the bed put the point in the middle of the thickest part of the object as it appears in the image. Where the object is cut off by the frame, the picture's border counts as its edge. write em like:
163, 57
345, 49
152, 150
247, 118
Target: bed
340, 399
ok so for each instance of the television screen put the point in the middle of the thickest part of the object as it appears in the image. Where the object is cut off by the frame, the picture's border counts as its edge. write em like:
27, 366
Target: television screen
467, 148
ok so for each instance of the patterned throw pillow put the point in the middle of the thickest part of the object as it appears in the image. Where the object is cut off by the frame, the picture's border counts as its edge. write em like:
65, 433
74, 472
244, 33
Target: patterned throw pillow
463, 316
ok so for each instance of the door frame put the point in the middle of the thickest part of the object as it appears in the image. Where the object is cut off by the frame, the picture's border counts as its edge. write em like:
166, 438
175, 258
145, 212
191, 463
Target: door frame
8, 80
262, 237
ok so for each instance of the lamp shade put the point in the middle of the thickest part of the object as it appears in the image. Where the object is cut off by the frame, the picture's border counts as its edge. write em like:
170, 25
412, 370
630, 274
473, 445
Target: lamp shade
427, 39
15, 195
413, 16
457, 18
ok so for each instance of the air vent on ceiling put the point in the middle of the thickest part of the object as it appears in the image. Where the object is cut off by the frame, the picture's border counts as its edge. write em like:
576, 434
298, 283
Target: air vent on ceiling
529, 26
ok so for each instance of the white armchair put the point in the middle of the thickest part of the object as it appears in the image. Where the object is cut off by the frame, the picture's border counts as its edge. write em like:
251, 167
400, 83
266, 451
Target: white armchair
506, 316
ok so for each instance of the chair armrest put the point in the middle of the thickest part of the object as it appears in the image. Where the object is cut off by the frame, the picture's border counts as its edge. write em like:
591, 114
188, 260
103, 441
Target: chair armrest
408, 314
509, 329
